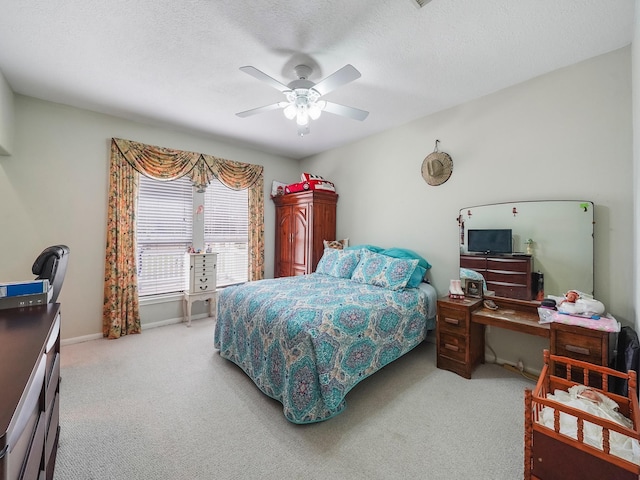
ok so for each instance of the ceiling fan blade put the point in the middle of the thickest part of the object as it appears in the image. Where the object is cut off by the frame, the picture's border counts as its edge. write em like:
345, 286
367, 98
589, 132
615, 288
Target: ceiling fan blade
346, 74
345, 111
266, 108
254, 72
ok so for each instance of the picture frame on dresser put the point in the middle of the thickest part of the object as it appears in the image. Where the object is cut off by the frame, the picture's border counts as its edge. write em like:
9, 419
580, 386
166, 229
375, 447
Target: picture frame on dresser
473, 288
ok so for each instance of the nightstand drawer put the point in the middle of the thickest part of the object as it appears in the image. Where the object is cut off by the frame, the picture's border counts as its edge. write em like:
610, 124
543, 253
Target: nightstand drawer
452, 346
454, 321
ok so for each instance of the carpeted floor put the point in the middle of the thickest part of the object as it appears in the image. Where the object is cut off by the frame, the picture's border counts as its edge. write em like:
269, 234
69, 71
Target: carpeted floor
164, 405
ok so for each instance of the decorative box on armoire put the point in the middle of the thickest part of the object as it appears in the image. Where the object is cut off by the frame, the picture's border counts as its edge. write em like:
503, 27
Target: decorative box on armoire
303, 221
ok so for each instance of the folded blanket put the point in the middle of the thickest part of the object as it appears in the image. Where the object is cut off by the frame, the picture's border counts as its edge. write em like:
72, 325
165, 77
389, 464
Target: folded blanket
596, 404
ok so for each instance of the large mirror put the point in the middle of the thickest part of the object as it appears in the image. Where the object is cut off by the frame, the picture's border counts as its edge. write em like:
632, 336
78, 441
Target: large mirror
525, 250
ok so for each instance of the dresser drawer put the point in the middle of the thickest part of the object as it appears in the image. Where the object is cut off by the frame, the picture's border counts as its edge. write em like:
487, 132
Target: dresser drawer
453, 321
503, 276
204, 277
34, 457
452, 346
204, 261
509, 264
474, 263
510, 290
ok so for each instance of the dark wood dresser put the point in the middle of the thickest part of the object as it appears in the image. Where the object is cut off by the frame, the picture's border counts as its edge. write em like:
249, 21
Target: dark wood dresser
506, 275
30, 393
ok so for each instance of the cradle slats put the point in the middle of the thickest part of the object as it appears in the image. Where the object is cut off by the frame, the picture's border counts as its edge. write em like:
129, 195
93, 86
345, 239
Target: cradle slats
536, 400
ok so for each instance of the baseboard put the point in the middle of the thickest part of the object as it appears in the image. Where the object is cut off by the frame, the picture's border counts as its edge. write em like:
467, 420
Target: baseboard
144, 326
84, 338
502, 361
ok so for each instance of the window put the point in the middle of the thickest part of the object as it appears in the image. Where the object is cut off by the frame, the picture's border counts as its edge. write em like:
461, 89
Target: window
226, 231
165, 229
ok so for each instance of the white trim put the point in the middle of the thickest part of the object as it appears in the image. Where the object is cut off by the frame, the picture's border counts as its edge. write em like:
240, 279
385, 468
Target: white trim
163, 298
144, 326
85, 338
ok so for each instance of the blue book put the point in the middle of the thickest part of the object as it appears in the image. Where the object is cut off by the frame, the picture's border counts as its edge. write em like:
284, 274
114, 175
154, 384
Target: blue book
15, 289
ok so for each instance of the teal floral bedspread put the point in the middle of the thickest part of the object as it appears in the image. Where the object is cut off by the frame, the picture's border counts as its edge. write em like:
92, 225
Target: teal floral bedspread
306, 341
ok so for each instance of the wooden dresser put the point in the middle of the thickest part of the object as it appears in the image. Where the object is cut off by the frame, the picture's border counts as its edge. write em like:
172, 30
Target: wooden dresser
303, 221
30, 393
506, 275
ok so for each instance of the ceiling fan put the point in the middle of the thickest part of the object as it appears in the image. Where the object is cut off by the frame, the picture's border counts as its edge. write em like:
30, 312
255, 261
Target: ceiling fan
303, 97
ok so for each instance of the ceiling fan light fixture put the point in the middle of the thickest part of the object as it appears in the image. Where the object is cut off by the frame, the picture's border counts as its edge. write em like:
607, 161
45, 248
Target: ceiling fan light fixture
290, 111
303, 96
302, 117
314, 111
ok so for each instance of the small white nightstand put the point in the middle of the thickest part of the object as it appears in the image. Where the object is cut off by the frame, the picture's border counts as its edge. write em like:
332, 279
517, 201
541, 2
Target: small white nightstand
201, 282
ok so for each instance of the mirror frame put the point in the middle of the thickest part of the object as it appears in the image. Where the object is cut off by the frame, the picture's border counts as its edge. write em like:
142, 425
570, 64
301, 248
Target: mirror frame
541, 223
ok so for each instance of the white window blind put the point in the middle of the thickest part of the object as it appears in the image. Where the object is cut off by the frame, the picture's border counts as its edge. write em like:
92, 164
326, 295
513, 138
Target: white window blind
164, 232
226, 231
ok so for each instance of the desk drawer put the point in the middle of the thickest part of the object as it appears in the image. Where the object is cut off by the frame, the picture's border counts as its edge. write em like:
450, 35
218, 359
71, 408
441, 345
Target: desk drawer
581, 347
452, 346
454, 321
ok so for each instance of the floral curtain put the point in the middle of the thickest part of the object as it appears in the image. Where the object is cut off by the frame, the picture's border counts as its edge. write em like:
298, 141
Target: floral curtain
121, 314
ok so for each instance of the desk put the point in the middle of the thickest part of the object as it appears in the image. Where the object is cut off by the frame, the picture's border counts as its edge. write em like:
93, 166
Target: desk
461, 325
461, 328
189, 298
30, 386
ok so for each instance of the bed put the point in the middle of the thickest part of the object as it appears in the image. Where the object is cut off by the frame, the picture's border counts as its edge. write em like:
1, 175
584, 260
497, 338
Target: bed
307, 340
585, 439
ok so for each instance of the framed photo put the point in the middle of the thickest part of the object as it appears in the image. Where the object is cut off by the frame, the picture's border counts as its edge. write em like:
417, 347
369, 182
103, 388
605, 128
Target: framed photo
473, 288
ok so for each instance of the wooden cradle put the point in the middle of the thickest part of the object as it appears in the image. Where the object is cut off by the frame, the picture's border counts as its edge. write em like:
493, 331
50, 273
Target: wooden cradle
549, 454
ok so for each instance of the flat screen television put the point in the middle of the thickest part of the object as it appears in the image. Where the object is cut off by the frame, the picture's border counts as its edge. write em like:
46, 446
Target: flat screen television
489, 241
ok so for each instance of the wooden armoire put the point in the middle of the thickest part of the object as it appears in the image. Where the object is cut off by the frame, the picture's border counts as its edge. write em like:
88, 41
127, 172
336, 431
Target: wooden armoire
303, 221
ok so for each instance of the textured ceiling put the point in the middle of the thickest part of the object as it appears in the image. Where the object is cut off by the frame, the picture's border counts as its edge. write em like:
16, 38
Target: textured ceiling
176, 63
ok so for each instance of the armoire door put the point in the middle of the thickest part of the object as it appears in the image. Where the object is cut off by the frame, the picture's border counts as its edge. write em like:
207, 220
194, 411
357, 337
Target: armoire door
300, 248
284, 226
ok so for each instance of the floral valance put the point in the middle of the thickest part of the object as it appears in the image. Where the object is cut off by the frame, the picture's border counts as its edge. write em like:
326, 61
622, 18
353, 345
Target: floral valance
168, 164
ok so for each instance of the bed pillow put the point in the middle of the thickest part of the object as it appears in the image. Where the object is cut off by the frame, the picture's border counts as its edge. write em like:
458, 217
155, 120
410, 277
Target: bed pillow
406, 253
371, 248
338, 263
383, 271
337, 244
417, 277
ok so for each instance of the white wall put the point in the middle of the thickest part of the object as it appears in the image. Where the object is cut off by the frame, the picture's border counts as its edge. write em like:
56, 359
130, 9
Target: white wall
53, 189
6, 117
564, 135
636, 163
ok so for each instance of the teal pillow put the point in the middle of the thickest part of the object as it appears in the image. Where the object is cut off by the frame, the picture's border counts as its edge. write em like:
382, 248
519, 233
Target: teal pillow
383, 271
406, 253
417, 277
371, 248
338, 263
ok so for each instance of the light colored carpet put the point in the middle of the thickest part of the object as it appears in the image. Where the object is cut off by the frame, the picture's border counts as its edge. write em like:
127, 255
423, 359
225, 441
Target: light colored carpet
165, 405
